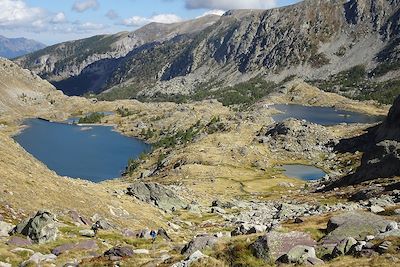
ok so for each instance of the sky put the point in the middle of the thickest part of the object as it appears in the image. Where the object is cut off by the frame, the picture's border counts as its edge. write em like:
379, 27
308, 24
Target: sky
54, 21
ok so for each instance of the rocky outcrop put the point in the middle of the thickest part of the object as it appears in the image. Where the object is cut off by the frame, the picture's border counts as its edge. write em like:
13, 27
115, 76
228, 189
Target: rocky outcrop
41, 228
200, 242
296, 136
354, 224
156, 194
274, 245
381, 147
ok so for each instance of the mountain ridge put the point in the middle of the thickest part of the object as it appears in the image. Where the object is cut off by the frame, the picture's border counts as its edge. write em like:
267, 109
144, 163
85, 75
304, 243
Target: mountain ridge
15, 47
313, 39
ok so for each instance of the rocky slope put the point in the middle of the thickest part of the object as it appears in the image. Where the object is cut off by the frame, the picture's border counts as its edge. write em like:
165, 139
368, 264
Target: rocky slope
69, 64
313, 39
381, 147
15, 47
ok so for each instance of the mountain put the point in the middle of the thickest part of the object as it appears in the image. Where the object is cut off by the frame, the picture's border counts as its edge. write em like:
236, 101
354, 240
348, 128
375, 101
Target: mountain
347, 46
84, 65
15, 47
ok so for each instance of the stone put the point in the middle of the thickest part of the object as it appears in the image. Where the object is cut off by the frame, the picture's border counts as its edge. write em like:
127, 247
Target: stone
19, 241
392, 233
200, 242
39, 258
392, 226
41, 228
5, 229
163, 234
298, 220
83, 245
156, 194
119, 252
194, 257
376, 209
384, 246
102, 224
4, 264
354, 224
87, 245
275, 244
62, 249
247, 229
174, 226
87, 233
141, 251
298, 255
343, 247
369, 238
78, 219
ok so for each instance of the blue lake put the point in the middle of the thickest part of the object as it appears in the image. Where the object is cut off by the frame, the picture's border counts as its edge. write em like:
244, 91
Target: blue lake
303, 172
94, 153
322, 115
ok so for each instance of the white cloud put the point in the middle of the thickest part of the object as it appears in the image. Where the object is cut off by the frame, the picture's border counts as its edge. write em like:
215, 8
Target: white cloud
83, 5
59, 18
217, 12
229, 4
15, 13
138, 21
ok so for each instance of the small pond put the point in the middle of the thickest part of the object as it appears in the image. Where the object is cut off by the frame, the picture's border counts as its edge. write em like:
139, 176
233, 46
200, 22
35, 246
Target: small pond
94, 153
304, 172
322, 115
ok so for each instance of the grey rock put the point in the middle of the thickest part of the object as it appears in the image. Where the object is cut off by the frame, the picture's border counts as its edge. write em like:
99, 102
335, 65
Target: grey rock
141, 251
298, 255
275, 244
5, 229
217, 210
392, 226
354, 224
19, 241
4, 264
163, 234
87, 233
156, 194
78, 219
392, 233
38, 259
376, 209
343, 247
384, 246
62, 249
199, 243
40, 229
119, 252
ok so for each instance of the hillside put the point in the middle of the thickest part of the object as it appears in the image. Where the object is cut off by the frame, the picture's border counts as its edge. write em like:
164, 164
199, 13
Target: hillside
16, 47
84, 65
332, 44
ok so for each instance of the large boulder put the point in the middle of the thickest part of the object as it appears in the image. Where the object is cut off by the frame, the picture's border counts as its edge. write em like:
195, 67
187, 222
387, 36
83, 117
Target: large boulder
156, 194
298, 255
200, 242
41, 228
354, 224
275, 244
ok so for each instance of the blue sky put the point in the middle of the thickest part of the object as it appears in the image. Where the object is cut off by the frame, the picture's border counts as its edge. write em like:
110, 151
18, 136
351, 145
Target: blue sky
53, 21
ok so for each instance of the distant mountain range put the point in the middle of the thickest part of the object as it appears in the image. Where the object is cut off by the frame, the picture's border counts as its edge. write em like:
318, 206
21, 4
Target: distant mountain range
347, 46
16, 47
